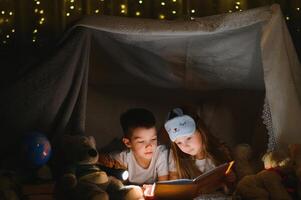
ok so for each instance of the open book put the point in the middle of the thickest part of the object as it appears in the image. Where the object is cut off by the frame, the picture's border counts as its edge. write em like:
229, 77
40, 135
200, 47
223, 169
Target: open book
207, 182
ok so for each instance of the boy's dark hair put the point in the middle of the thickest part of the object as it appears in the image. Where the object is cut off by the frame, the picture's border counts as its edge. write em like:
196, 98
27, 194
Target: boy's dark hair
134, 118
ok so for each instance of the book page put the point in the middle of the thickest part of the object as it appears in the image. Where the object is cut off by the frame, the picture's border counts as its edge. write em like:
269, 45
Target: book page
190, 188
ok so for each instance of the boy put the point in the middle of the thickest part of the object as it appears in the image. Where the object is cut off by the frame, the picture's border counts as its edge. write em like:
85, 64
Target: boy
145, 161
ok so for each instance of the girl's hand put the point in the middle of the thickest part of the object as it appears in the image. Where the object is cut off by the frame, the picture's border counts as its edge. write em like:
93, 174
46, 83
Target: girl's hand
229, 184
231, 177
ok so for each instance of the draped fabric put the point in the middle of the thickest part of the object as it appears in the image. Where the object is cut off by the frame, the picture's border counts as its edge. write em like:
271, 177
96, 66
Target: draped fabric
250, 50
48, 97
247, 50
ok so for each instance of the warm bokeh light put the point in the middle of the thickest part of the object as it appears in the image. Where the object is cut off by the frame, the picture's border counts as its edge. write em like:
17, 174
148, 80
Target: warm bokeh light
39, 22
161, 16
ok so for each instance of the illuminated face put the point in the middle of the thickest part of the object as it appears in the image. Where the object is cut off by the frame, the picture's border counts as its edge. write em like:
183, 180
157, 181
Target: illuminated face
191, 144
143, 142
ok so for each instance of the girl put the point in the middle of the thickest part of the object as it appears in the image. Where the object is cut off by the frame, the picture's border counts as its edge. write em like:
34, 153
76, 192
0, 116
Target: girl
193, 150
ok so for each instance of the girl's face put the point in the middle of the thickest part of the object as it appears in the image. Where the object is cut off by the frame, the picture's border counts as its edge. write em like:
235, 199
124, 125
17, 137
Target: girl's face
191, 144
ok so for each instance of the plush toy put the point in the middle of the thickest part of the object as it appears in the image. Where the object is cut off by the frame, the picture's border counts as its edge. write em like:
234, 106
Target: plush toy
276, 181
295, 151
8, 186
242, 155
83, 179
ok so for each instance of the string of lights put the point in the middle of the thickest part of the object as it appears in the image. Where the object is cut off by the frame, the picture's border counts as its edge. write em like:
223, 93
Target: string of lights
237, 6
40, 19
73, 10
7, 26
161, 9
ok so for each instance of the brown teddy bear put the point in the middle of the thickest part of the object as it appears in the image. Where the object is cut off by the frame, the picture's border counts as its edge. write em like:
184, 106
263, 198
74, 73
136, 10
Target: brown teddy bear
276, 181
83, 179
242, 155
295, 152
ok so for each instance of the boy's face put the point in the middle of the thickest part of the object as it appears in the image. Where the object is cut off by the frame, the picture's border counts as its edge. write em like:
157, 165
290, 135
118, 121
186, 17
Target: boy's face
143, 142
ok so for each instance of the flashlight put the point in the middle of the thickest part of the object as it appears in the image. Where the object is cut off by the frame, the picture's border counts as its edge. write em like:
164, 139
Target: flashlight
121, 174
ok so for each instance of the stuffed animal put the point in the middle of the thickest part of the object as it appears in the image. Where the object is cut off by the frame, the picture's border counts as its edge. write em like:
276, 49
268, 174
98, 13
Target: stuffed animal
276, 181
295, 151
242, 155
8, 186
83, 179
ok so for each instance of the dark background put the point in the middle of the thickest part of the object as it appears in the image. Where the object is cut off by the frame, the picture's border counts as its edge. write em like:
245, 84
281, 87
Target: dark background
30, 29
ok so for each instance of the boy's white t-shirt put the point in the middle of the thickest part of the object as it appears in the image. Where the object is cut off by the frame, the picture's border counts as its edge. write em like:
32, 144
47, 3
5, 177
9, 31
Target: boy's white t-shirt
139, 175
204, 165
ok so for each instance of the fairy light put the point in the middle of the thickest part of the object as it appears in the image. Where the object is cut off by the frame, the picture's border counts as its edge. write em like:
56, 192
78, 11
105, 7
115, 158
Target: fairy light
40, 19
72, 9
123, 9
99, 6
7, 28
72, 6
237, 6
161, 16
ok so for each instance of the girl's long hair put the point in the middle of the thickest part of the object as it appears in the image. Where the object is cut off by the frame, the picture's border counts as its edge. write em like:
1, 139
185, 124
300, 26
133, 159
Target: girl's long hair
213, 149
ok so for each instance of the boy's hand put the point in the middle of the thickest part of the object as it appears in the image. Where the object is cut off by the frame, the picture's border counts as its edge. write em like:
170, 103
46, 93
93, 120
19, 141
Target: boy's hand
108, 161
148, 191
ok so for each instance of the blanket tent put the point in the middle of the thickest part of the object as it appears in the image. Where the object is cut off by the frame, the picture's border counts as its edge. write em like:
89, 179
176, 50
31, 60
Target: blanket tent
238, 70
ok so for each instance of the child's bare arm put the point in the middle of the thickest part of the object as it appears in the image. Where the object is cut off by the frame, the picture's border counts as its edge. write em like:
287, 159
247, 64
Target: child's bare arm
173, 175
107, 161
163, 178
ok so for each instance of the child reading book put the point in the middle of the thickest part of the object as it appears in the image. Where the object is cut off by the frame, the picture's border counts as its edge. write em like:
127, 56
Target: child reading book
204, 184
145, 161
193, 149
